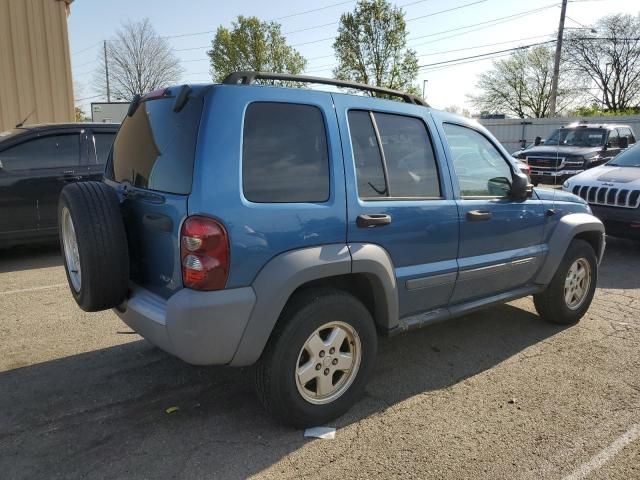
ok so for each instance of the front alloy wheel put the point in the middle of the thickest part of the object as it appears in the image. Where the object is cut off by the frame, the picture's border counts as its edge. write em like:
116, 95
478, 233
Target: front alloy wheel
577, 283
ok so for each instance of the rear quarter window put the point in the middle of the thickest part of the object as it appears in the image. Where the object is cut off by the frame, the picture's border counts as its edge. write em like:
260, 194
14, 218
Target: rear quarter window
284, 154
155, 148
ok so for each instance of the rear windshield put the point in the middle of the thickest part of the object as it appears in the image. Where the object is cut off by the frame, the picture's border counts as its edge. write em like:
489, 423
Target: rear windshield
155, 148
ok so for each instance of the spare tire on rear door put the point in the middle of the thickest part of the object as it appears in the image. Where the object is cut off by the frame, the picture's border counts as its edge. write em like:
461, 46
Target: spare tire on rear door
94, 244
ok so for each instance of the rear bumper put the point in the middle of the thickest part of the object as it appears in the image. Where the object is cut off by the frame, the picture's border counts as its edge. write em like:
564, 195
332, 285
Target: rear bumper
201, 328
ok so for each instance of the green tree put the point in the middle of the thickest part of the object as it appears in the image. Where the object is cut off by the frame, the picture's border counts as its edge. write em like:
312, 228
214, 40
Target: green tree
371, 47
520, 85
252, 45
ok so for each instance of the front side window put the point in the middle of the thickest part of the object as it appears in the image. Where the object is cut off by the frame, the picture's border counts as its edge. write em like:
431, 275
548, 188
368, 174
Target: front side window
284, 154
53, 151
400, 163
614, 138
481, 169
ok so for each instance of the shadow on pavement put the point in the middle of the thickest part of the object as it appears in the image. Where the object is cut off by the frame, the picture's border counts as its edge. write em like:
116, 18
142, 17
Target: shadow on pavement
17, 259
620, 265
102, 413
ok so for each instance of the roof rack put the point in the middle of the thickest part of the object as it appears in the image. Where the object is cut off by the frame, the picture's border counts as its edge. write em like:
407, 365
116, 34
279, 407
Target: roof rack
249, 77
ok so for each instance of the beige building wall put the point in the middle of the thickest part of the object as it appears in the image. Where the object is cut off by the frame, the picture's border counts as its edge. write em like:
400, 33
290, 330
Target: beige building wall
35, 64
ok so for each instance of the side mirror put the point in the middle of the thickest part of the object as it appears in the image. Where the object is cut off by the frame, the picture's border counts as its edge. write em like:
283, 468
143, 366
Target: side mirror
499, 187
624, 142
521, 189
537, 141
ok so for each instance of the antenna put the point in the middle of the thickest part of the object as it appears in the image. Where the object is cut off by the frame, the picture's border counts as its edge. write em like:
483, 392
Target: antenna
25, 119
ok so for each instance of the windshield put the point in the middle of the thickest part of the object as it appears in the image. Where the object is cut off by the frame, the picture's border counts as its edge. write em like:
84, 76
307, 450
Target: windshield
577, 137
628, 158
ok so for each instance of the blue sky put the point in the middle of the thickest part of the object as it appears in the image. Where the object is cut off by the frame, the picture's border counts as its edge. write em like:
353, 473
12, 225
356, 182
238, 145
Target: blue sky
470, 27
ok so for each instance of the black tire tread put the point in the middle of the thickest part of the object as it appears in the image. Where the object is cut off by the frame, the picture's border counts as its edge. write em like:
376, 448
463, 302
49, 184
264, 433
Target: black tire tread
550, 304
102, 244
266, 369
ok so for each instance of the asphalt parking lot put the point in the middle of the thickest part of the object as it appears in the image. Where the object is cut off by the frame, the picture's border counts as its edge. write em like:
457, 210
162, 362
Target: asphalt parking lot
496, 394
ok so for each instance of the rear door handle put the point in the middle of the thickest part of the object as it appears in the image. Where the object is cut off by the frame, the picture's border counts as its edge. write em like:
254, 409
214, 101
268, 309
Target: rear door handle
478, 215
373, 220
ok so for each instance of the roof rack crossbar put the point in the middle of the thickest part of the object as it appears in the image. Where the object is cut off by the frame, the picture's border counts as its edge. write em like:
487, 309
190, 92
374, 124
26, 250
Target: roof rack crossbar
249, 77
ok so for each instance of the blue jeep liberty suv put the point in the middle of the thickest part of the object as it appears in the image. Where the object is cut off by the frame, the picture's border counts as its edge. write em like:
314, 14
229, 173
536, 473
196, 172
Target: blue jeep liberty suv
243, 223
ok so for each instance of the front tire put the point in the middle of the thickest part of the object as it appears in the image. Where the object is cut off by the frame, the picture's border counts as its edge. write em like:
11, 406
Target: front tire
568, 297
319, 358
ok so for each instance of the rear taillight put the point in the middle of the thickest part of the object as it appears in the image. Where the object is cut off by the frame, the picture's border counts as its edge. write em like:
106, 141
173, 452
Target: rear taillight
204, 254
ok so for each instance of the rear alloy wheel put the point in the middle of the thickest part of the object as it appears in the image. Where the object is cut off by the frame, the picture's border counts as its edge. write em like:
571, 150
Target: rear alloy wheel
568, 297
328, 363
318, 359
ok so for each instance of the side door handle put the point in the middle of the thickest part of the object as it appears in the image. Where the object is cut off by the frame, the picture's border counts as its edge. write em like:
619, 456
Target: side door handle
478, 215
69, 176
373, 220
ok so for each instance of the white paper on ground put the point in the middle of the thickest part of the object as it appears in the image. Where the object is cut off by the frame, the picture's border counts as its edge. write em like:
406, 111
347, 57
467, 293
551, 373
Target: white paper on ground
328, 433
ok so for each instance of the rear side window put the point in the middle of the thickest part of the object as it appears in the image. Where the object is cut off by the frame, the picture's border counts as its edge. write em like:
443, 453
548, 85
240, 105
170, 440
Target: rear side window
366, 154
284, 154
155, 148
400, 163
100, 146
53, 151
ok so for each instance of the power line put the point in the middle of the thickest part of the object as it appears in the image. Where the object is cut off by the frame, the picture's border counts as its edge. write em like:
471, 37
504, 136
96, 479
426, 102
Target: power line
492, 22
88, 48
88, 98
479, 56
314, 27
313, 10
181, 35
444, 67
486, 54
447, 10
482, 46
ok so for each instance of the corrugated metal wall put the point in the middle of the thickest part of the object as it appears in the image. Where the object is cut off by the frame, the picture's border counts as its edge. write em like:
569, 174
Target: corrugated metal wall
35, 66
511, 132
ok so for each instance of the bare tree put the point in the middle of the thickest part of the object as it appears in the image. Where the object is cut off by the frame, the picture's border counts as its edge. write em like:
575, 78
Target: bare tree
520, 85
610, 60
139, 61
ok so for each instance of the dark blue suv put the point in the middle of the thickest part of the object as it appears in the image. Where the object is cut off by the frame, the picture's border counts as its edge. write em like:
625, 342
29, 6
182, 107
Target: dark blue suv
242, 224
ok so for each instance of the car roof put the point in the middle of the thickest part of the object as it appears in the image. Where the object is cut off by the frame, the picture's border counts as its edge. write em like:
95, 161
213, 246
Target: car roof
79, 125
606, 126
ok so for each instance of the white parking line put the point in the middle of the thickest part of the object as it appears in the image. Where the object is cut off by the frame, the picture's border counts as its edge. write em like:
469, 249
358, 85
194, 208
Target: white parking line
605, 455
34, 289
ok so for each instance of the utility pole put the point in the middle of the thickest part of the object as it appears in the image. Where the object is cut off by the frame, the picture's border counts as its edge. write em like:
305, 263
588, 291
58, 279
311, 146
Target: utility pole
556, 65
424, 89
106, 72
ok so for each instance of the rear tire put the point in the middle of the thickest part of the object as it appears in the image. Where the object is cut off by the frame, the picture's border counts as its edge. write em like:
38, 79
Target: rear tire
317, 318
568, 297
94, 245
